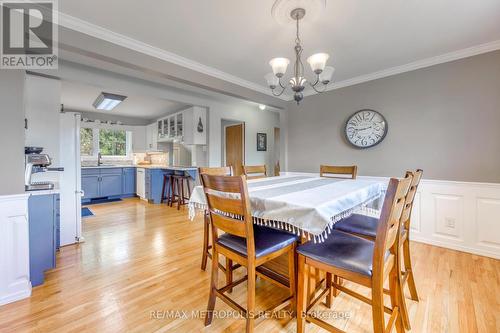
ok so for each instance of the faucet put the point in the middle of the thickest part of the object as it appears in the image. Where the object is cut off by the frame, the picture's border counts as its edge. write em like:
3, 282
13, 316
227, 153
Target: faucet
99, 159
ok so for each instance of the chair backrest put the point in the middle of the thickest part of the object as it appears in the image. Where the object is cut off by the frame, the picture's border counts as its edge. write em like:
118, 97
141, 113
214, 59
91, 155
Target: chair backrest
410, 198
229, 207
255, 171
332, 171
216, 171
390, 221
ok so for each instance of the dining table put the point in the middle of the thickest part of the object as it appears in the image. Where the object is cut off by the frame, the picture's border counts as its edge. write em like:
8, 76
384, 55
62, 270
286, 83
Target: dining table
307, 205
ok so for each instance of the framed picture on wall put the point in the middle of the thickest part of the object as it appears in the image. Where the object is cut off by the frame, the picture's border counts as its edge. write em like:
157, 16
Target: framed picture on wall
261, 142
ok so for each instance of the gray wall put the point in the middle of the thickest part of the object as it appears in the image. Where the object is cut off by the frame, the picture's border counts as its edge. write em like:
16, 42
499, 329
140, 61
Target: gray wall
444, 119
12, 131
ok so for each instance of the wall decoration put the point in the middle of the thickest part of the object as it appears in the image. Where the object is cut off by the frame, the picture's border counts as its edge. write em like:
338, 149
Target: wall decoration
200, 126
261, 142
366, 128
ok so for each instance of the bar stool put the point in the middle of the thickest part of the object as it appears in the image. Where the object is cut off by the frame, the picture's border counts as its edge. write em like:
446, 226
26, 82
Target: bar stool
177, 188
167, 181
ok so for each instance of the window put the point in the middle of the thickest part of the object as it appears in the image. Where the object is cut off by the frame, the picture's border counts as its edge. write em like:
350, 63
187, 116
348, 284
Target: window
109, 142
112, 142
86, 142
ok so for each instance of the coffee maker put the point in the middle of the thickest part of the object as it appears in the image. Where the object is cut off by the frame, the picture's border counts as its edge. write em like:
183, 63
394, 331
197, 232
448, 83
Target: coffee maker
37, 162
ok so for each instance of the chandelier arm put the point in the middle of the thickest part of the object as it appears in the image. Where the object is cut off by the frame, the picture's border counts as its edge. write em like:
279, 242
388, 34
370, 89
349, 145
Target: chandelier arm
315, 82
281, 84
280, 93
316, 90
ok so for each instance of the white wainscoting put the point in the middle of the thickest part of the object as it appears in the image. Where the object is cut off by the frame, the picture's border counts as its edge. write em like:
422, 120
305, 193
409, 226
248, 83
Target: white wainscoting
458, 215
14, 249
463, 216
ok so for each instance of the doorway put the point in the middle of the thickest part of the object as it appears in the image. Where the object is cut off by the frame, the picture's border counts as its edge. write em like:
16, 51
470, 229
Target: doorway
277, 151
234, 144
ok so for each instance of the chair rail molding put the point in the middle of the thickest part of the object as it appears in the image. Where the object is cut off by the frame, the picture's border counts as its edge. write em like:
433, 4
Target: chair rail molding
463, 216
14, 248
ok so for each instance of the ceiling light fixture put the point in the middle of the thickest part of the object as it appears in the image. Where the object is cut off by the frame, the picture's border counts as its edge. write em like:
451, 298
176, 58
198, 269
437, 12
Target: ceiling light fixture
262, 107
107, 101
298, 81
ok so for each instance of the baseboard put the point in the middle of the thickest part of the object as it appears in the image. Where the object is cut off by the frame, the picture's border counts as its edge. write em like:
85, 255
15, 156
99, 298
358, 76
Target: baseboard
466, 249
17, 296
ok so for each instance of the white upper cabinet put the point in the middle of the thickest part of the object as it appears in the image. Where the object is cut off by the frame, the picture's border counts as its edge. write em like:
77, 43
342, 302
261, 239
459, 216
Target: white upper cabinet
188, 127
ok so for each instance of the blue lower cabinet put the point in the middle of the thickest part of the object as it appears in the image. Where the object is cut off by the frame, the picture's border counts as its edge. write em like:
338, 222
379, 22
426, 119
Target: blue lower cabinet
43, 235
90, 187
113, 183
129, 182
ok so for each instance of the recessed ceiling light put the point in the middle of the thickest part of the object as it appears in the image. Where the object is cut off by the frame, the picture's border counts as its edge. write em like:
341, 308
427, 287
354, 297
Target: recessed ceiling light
107, 101
262, 107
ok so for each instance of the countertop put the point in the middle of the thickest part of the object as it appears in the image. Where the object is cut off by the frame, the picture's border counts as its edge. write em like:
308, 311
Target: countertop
146, 166
44, 192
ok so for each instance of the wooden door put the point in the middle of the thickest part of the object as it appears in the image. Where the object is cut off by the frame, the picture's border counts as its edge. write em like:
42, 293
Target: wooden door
277, 151
234, 147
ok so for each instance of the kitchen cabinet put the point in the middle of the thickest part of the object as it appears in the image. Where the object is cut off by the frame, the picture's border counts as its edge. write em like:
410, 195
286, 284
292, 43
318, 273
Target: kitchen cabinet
90, 186
152, 137
108, 183
44, 222
195, 126
188, 126
111, 185
129, 181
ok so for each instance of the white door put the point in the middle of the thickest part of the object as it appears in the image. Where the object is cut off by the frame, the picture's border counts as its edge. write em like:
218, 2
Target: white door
71, 184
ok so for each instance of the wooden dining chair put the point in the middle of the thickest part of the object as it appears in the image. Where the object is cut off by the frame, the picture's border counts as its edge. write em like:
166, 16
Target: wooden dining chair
332, 171
255, 171
214, 171
244, 243
366, 227
362, 262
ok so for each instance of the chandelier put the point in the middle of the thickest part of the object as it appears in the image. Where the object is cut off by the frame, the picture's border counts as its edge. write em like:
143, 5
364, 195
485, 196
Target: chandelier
298, 82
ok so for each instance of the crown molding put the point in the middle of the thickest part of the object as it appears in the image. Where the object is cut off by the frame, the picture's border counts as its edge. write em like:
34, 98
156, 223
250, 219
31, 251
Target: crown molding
428, 62
99, 32
96, 31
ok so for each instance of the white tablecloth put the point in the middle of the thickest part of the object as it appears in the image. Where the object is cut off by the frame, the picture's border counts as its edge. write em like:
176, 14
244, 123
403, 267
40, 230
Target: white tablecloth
305, 205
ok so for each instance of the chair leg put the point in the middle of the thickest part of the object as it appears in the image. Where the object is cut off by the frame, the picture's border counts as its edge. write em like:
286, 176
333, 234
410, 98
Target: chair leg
293, 276
180, 189
163, 197
409, 270
229, 273
172, 188
337, 280
402, 306
378, 307
204, 256
301, 294
396, 297
213, 287
250, 298
329, 296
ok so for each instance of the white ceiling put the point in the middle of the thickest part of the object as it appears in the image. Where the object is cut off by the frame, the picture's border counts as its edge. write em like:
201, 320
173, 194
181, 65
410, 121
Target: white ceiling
240, 37
79, 97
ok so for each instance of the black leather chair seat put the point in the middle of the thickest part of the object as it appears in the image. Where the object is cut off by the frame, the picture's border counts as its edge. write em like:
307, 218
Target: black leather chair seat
267, 240
358, 224
342, 250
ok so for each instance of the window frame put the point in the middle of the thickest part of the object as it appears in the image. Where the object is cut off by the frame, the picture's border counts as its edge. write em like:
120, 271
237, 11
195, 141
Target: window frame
96, 144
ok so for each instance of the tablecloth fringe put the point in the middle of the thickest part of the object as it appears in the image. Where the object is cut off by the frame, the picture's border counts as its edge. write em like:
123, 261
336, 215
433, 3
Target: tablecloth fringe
287, 226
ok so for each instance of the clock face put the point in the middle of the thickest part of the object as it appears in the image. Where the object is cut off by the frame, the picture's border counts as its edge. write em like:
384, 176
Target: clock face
366, 128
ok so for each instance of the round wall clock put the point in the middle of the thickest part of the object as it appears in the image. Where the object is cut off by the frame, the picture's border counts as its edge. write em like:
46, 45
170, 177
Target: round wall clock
366, 128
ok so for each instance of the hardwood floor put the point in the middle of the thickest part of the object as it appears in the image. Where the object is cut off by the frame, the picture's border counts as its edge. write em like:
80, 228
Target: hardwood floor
140, 261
